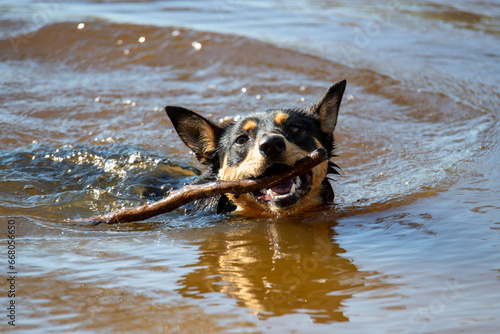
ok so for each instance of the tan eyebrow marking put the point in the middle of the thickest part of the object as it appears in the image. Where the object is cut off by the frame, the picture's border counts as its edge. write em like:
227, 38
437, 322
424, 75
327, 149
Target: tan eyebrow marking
280, 117
249, 125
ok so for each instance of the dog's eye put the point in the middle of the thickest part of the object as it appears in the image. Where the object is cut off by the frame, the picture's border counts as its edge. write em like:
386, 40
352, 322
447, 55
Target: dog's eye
241, 139
293, 129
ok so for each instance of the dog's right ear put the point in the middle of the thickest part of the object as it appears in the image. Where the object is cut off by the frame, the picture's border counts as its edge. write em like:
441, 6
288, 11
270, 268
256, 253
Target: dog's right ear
327, 108
197, 132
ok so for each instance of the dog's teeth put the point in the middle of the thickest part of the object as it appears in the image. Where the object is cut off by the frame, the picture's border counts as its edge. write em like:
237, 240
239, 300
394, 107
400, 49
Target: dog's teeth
264, 191
271, 194
294, 189
297, 181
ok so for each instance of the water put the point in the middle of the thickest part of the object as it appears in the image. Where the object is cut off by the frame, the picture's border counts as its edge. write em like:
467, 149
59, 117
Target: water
411, 245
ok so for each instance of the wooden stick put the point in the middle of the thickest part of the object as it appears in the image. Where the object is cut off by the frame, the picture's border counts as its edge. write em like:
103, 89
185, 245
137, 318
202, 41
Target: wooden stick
191, 193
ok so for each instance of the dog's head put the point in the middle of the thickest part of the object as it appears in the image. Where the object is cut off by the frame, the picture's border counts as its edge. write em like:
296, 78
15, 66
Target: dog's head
265, 143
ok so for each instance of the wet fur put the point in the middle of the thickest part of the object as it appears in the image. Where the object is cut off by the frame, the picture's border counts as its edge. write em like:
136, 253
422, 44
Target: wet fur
234, 150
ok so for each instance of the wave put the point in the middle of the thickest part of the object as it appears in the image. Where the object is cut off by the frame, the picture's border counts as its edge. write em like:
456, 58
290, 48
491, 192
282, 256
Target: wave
396, 143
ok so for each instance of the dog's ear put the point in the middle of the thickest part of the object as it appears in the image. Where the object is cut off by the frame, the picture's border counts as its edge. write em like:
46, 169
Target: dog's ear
198, 133
327, 108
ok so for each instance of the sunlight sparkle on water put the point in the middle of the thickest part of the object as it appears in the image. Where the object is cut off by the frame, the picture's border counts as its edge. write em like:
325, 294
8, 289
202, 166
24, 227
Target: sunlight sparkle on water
196, 45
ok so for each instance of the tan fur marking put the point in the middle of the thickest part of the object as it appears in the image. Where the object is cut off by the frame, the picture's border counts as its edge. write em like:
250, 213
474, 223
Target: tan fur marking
249, 125
252, 165
313, 198
208, 139
280, 117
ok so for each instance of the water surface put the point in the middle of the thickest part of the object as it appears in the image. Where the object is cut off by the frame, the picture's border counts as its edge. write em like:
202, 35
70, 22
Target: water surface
411, 245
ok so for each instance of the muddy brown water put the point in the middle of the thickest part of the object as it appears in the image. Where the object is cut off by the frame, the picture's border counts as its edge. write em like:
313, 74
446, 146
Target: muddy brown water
411, 246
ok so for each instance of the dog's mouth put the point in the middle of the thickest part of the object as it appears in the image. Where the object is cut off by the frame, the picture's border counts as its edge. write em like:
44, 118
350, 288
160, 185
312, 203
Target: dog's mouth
287, 192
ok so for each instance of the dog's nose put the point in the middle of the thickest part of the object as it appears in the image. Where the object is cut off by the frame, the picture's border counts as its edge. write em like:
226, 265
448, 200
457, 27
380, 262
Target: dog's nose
273, 145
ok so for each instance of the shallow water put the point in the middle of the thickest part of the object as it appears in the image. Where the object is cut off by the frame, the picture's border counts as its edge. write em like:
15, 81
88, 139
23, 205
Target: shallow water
411, 246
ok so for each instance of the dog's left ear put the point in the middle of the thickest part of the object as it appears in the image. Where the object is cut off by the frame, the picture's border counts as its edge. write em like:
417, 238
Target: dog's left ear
327, 108
197, 132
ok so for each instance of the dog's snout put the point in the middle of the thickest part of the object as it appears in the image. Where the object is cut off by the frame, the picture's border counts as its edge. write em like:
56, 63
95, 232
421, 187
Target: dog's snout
273, 145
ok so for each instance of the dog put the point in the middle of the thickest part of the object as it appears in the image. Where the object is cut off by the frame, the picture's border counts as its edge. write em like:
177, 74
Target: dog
262, 144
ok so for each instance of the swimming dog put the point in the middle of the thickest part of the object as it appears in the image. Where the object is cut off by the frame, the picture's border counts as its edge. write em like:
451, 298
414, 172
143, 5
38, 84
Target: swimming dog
259, 145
